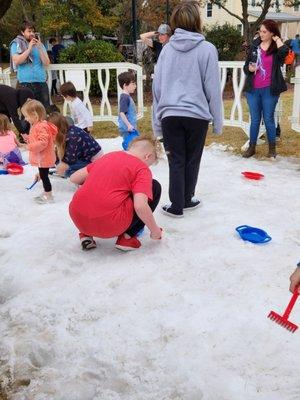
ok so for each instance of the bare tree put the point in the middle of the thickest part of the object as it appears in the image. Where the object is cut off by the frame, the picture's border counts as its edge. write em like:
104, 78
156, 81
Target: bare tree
248, 28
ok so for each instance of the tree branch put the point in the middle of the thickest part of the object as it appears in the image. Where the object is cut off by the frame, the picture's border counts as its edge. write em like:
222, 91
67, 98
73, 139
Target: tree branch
219, 3
264, 12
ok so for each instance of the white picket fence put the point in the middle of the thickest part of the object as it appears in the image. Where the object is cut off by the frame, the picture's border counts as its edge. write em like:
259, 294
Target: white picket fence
5, 76
80, 75
295, 120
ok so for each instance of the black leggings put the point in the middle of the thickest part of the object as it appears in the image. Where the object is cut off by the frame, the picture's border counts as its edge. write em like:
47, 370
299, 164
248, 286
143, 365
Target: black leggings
44, 175
184, 139
137, 224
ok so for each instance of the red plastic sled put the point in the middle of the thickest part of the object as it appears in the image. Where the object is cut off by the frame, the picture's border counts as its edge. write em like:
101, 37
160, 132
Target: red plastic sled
14, 169
253, 175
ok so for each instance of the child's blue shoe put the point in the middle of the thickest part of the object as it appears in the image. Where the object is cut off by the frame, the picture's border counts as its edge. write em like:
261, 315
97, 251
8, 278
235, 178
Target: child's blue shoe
129, 138
141, 232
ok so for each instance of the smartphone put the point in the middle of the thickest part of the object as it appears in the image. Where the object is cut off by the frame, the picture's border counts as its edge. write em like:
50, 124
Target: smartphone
37, 36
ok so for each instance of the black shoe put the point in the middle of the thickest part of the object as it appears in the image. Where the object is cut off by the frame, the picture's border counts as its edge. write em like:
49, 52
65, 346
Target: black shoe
192, 204
171, 212
88, 243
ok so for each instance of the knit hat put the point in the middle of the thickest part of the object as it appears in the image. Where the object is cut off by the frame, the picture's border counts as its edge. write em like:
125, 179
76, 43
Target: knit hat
164, 29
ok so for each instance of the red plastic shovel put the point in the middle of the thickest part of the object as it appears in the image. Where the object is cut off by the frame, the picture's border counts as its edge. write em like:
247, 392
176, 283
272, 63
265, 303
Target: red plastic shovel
283, 319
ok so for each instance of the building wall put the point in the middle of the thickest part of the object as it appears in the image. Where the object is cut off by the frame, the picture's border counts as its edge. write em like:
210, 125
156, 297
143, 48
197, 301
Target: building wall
220, 16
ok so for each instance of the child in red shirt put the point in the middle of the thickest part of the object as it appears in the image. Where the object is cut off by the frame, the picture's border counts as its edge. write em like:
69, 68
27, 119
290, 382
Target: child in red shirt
118, 196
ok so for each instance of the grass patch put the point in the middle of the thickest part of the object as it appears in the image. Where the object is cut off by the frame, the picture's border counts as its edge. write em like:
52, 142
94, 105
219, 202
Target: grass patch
233, 138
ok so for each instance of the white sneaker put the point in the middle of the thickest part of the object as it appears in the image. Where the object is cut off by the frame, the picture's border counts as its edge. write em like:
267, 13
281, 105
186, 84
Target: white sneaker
43, 199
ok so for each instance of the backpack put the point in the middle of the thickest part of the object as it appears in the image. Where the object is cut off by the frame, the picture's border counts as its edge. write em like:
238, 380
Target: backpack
290, 58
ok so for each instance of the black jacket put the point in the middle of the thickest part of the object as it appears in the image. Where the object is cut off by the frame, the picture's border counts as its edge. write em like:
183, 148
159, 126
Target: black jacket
10, 101
278, 84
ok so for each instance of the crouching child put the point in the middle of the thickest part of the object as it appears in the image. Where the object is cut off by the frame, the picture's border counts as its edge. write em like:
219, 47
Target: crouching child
118, 196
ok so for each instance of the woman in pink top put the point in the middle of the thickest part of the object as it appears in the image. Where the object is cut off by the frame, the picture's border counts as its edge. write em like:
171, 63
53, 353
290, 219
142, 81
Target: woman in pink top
8, 142
264, 82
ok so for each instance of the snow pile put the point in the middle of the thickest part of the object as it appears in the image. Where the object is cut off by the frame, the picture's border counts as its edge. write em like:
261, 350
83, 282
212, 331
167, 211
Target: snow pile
183, 319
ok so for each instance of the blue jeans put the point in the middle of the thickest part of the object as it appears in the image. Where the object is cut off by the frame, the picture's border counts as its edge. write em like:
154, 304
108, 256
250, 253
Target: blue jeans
262, 104
75, 167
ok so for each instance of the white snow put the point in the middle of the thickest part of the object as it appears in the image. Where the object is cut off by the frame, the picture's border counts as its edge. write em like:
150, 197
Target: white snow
182, 319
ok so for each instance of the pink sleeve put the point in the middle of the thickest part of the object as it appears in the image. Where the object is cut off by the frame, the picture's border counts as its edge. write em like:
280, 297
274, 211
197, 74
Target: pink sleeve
41, 141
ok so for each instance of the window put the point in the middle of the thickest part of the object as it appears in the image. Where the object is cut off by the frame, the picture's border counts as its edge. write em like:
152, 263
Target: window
296, 8
209, 10
253, 3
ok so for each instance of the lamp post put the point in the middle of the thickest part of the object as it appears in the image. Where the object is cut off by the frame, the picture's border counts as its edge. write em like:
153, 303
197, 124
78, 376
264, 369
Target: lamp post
134, 27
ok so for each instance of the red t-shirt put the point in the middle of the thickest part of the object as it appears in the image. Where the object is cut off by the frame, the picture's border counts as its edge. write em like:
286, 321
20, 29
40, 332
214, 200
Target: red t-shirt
103, 205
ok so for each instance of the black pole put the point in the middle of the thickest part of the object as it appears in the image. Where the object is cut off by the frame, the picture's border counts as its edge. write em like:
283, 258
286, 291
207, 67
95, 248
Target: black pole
134, 28
168, 11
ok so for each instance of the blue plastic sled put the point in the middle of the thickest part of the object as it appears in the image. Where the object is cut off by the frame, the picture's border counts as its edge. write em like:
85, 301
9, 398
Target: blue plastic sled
253, 235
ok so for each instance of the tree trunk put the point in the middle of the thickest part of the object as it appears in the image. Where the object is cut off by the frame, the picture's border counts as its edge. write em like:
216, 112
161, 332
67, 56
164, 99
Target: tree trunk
4, 6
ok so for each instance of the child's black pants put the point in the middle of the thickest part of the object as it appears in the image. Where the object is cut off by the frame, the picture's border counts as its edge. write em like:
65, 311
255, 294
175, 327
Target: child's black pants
184, 139
137, 224
44, 175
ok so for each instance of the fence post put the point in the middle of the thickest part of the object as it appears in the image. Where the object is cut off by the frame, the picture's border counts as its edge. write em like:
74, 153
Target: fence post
296, 101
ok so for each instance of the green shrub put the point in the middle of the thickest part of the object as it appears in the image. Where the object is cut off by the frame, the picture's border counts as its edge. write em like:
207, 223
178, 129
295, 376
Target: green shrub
94, 51
226, 38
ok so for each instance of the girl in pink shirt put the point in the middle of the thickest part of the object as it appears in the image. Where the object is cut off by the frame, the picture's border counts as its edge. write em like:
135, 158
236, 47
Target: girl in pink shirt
8, 141
40, 143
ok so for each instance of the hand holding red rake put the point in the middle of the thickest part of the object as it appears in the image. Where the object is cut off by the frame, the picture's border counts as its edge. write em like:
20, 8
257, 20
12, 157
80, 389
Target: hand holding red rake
283, 319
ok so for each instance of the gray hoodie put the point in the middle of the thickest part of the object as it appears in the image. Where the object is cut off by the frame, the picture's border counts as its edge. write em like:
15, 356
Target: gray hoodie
187, 81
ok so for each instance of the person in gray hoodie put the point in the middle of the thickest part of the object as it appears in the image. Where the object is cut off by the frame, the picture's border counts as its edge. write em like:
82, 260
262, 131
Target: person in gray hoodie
186, 97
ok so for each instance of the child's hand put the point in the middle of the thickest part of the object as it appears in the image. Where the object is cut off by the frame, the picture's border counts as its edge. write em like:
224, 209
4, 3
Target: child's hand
130, 128
61, 168
252, 66
156, 234
295, 280
25, 137
37, 177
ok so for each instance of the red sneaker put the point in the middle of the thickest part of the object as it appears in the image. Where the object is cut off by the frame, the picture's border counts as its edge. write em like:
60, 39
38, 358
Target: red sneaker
127, 244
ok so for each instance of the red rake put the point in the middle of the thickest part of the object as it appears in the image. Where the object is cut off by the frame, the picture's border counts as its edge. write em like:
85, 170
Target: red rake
283, 319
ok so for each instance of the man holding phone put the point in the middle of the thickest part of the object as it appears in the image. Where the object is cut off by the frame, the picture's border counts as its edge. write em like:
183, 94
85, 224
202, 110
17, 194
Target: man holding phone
29, 58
